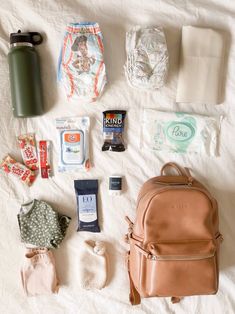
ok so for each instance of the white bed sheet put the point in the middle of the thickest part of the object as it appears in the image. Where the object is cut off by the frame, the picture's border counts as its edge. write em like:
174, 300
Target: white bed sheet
115, 18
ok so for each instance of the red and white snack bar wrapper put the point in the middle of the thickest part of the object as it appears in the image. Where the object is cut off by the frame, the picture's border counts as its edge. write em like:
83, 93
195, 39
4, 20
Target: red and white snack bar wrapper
44, 159
12, 167
28, 149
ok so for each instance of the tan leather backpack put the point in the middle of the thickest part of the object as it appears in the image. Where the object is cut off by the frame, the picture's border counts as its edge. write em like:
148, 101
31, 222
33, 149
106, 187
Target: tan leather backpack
175, 240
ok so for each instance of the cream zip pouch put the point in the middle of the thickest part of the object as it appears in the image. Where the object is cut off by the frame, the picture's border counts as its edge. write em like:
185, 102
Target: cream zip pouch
179, 132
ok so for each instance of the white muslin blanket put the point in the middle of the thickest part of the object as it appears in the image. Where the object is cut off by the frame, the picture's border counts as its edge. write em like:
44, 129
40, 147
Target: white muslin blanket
201, 65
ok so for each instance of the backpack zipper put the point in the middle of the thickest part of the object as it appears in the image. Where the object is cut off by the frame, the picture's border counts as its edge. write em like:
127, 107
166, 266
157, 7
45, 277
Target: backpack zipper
179, 257
153, 257
190, 183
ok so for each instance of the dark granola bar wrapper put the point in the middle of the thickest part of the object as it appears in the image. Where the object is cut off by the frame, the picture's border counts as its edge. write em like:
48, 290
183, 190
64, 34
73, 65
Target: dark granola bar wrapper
113, 128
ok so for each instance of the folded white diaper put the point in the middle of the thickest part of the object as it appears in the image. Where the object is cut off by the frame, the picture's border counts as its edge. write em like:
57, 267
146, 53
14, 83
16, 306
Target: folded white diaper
147, 58
180, 132
200, 74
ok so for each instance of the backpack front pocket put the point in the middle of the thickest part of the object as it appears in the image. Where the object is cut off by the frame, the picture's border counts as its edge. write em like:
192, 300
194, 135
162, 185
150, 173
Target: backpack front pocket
180, 268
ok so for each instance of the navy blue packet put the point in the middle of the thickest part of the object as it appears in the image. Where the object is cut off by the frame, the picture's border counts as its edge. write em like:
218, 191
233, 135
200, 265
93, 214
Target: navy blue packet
87, 205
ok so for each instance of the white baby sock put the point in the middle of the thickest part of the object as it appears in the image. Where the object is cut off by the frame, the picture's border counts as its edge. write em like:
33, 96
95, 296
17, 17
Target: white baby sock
93, 265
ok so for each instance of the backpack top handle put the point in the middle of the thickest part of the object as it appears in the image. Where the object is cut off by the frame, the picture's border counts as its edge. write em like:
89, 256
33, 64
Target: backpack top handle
181, 171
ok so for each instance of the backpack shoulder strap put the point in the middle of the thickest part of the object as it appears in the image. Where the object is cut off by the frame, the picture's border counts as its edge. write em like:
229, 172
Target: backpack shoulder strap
134, 295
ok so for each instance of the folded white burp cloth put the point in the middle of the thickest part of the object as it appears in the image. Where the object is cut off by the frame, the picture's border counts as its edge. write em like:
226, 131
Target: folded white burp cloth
200, 74
93, 265
147, 57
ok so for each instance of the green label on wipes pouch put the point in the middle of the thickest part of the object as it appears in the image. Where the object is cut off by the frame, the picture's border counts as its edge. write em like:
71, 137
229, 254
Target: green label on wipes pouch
175, 136
180, 131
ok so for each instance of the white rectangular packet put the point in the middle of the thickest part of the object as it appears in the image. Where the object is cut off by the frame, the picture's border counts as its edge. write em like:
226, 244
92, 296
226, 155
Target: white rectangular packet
202, 60
179, 132
73, 137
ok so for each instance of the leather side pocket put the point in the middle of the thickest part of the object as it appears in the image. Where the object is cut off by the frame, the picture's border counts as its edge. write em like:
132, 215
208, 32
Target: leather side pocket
185, 268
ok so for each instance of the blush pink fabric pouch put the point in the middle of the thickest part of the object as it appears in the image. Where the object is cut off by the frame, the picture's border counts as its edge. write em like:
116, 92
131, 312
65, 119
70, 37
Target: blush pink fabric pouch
38, 273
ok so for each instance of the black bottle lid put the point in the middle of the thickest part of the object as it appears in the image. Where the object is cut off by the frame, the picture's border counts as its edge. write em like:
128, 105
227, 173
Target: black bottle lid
33, 38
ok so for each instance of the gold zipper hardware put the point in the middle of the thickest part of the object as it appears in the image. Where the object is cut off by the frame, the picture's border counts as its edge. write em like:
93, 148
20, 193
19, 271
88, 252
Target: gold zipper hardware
179, 257
174, 183
153, 257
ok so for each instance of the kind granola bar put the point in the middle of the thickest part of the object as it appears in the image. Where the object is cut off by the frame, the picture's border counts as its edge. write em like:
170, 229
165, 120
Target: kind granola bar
12, 167
28, 150
113, 127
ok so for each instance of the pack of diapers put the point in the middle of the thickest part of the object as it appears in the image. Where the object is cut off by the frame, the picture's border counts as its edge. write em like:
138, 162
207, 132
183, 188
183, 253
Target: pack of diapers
180, 132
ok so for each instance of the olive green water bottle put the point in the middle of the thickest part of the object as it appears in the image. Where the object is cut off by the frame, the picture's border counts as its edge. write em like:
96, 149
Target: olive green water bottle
25, 78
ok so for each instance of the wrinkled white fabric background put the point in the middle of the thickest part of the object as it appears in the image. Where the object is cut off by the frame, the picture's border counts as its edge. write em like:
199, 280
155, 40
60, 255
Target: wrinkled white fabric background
115, 18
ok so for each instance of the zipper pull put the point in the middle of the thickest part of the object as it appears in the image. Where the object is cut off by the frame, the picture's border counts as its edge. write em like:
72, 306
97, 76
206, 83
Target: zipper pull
190, 178
220, 237
130, 229
190, 181
126, 238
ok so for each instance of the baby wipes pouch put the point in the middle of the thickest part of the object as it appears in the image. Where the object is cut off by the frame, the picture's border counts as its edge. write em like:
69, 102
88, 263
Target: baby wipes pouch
73, 143
180, 132
87, 207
